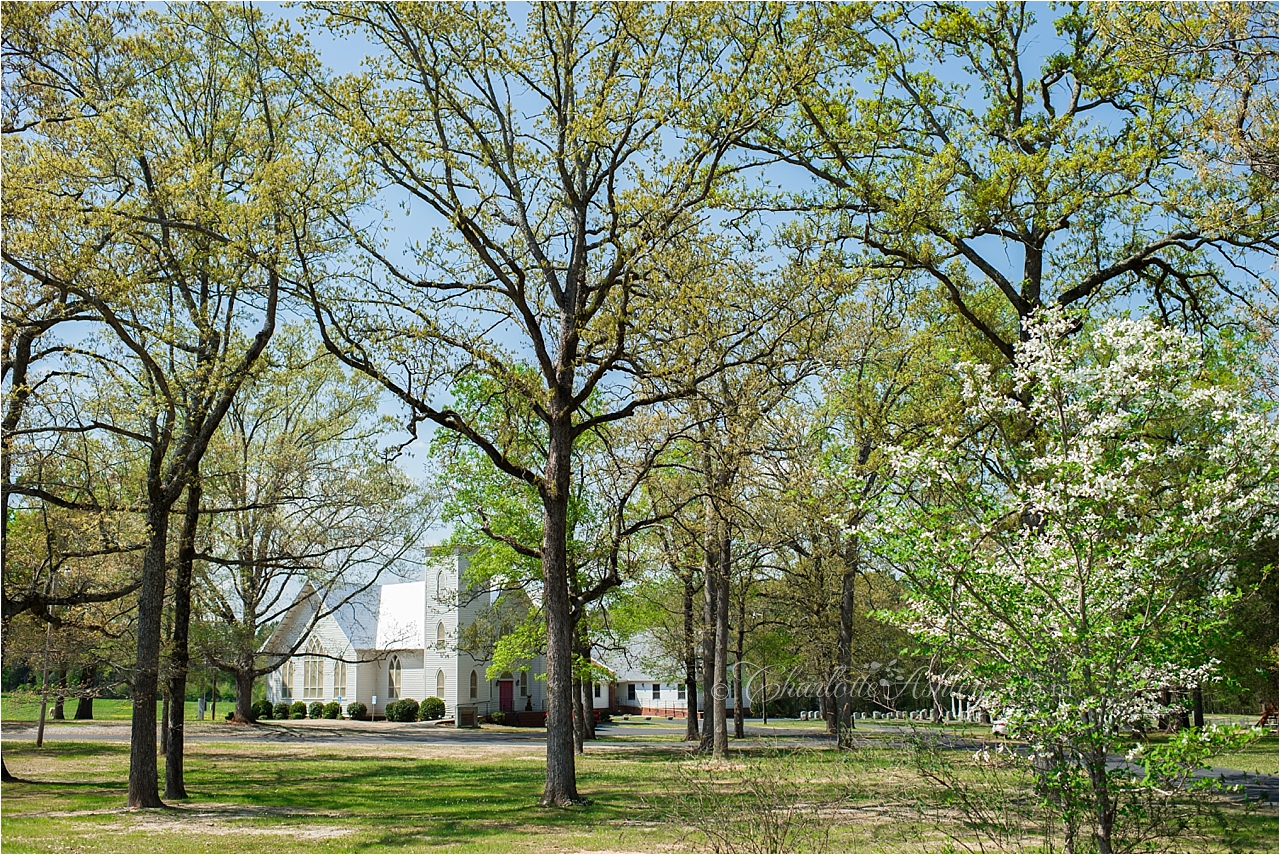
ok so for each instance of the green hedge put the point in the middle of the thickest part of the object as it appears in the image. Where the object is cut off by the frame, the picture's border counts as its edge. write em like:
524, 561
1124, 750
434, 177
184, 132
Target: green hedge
261, 710
298, 709
332, 709
280, 711
357, 711
432, 708
405, 709
316, 710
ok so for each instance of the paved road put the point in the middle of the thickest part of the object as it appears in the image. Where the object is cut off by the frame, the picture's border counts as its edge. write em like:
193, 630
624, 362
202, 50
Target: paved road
656, 733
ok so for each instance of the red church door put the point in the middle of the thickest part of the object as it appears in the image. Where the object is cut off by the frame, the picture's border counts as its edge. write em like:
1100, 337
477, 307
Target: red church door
506, 692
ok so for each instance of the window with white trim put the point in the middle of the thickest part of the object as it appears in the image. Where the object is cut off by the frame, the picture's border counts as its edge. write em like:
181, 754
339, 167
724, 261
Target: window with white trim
286, 680
680, 691
597, 687
631, 691
440, 684
524, 684
340, 679
441, 635
313, 672
475, 685
657, 691
393, 678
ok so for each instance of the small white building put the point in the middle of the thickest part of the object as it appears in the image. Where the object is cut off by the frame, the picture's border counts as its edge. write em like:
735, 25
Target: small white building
394, 641
644, 682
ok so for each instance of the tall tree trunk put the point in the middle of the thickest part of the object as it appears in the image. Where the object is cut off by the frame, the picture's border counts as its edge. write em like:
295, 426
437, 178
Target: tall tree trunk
584, 693
562, 785
244, 694
60, 699
579, 717
844, 651
690, 665
720, 743
1197, 707
1104, 803
179, 657
711, 594
88, 685
144, 789
588, 710
739, 725
164, 721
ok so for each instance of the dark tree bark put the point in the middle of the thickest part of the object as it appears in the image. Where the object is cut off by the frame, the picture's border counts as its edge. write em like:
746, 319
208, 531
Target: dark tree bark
1197, 707
88, 685
60, 699
690, 664
244, 695
579, 717
739, 725
144, 791
179, 656
843, 717
710, 595
562, 785
720, 744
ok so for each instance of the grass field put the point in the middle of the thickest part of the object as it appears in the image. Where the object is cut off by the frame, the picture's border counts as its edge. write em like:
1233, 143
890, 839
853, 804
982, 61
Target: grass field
253, 797
27, 708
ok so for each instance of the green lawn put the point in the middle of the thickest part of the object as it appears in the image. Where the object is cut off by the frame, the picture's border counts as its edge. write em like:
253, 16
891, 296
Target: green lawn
253, 797
1261, 756
27, 708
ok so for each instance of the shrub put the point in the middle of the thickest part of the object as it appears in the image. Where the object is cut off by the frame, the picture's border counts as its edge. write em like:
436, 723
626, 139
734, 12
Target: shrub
261, 710
298, 709
316, 710
357, 711
432, 708
497, 717
281, 711
332, 709
405, 709
231, 715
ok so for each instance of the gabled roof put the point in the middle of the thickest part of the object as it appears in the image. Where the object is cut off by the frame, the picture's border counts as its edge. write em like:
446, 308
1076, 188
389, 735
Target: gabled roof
358, 616
640, 661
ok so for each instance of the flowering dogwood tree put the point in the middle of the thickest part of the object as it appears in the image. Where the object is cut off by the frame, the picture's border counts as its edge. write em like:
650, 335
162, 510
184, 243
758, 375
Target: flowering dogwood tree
1072, 542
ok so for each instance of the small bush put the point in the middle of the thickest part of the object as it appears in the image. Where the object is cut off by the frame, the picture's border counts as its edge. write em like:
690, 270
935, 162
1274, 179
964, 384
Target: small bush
332, 709
261, 710
316, 710
405, 709
280, 711
357, 711
231, 715
432, 708
298, 709
497, 717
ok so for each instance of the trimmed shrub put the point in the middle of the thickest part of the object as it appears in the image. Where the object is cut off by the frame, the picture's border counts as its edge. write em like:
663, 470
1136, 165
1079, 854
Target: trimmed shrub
432, 708
231, 715
261, 710
298, 709
497, 717
357, 711
405, 709
281, 711
332, 709
316, 710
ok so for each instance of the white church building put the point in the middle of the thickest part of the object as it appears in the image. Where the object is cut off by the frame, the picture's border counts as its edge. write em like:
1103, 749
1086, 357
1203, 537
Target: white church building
401, 640
393, 641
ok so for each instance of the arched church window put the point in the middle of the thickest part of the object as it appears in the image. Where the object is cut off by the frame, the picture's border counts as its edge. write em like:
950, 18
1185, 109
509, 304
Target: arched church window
441, 635
440, 684
313, 671
393, 679
475, 685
